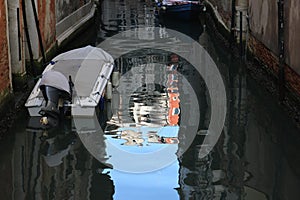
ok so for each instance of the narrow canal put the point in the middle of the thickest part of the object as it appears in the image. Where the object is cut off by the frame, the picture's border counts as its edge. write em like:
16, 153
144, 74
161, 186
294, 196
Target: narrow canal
154, 133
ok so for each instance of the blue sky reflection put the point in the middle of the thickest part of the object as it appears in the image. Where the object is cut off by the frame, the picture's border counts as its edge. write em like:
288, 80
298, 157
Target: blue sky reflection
156, 185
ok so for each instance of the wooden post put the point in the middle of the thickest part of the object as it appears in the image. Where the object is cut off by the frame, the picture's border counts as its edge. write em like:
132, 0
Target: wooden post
241, 35
28, 38
38, 31
281, 71
233, 11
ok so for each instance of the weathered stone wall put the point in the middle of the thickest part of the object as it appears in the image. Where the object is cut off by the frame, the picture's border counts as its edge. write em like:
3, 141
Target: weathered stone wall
13, 43
47, 21
271, 61
16, 37
263, 22
71, 16
4, 58
292, 14
224, 9
66, 7
263, 26
50, 13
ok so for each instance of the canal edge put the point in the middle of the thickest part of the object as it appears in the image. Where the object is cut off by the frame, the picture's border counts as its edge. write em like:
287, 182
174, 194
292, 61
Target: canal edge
13, 101
262, 68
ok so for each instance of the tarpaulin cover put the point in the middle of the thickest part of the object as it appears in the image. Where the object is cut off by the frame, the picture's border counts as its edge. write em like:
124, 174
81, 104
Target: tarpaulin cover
83, 65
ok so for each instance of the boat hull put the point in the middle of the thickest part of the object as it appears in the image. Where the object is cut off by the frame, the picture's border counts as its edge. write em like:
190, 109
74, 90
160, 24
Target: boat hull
188, 11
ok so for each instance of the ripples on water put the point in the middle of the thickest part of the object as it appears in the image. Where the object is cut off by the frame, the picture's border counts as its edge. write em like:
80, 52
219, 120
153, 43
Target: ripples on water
255, 158
123, 15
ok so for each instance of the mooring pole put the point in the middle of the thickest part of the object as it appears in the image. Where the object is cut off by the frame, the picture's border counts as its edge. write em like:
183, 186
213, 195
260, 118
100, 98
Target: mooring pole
241, 35
38, 31
233, 11
281, 71
28, 38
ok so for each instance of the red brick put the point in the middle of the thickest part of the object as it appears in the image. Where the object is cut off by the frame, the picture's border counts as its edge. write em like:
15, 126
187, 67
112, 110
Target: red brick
47, 21
4, 58
271, 61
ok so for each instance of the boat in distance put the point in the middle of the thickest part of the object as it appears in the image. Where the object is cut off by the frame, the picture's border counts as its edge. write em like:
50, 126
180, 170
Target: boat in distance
180, 9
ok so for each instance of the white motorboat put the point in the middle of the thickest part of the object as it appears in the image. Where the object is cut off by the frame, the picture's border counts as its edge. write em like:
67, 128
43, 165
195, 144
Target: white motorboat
75, 79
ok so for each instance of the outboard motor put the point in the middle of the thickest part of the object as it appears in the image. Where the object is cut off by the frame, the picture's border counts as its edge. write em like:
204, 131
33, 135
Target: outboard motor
54, 86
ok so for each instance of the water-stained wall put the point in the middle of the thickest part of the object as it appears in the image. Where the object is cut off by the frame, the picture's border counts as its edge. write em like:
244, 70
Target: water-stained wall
263, 25
50, 13
292, 33
71, 15
224, 9
47, 21
16, 36
14, 45
263, 29
4, 51
263, 22
66, 7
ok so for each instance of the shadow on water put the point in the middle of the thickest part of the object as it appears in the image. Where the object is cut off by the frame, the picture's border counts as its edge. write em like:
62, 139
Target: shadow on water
256, 156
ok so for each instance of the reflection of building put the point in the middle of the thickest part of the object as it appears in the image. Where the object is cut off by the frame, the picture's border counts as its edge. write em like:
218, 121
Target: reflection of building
57, 167
222, 173
155, 99
196, 176
153, 137
173, 94
135, 137
129, 14
131, 137
219, 175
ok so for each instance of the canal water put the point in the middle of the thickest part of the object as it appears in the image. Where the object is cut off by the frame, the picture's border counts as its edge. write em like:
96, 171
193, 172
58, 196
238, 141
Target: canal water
152, 140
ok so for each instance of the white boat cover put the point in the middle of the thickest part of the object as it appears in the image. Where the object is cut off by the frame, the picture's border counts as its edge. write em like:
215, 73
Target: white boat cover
89, 68
83, 65
87, 53
55, 79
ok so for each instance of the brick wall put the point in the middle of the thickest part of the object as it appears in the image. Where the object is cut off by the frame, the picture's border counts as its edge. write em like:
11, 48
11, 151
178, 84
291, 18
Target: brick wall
47, 21
271, 61
263, 22
4, 58
263, 27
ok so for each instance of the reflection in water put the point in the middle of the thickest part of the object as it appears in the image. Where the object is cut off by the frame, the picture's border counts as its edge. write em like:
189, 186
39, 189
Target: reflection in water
147, 119
119, 16
255, 157
53, 164
152, 105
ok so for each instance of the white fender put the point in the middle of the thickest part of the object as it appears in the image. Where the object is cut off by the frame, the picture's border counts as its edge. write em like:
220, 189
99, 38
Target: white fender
108, 90
115, 78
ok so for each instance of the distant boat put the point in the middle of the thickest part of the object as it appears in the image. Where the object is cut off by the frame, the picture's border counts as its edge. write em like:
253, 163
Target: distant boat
89, 67
180, 9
